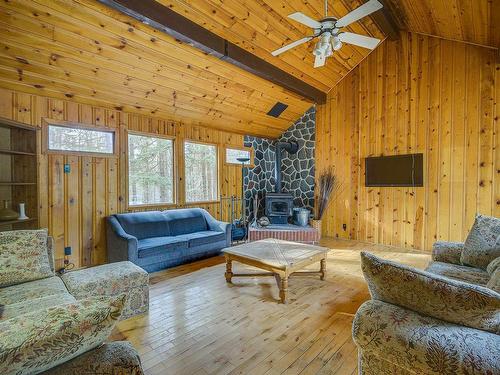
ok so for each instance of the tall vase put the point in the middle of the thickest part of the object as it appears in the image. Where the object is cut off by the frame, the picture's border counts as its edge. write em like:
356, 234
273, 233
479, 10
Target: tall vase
22, 212
316, 224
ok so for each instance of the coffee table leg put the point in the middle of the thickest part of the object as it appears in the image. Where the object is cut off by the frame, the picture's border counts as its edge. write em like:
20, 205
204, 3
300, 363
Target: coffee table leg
229, 269
283, 285
322, 269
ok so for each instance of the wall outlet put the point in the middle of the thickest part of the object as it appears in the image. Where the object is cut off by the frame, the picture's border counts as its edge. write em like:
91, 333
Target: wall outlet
344, 227
67, 168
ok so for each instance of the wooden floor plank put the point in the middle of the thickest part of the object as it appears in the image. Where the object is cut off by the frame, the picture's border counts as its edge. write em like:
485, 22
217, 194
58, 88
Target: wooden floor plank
199, 325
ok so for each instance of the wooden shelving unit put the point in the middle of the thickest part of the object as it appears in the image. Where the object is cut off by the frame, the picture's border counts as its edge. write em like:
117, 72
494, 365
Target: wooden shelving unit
18, 172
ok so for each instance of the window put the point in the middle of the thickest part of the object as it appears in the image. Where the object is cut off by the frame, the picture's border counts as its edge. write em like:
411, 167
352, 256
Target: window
200, 165
150, 170
233, 154
77, 139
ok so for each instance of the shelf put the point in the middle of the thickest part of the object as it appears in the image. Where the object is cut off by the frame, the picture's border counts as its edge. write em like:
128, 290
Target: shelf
17, 221
11, 152
17, 183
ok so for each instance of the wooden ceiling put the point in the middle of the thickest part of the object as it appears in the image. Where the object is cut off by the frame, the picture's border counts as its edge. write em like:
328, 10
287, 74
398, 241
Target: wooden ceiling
261, 26
85, 51
473, 21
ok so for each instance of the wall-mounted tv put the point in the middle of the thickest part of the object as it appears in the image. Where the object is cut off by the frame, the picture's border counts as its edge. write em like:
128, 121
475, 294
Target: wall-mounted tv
395, 170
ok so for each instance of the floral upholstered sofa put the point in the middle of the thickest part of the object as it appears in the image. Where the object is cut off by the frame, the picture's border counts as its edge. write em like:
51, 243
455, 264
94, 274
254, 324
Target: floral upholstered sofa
59, 325
444, 320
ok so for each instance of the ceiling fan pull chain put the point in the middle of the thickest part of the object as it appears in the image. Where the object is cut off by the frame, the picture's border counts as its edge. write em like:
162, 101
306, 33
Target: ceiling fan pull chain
326, 8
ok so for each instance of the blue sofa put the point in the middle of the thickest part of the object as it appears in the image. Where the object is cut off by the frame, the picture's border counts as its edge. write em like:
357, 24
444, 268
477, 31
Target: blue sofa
155, 240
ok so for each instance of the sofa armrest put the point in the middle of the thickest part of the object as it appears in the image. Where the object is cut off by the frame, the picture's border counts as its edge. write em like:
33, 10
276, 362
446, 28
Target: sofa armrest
120, 245
447, 252
421, 343
219, 226
113, 358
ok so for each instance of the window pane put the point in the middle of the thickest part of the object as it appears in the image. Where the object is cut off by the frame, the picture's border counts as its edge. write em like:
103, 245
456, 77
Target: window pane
201, 172
63, 138
150, 170
232, 155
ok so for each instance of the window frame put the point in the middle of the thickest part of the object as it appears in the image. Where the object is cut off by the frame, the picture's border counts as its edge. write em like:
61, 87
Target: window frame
217, 163
46, 122
174, 177
251, 163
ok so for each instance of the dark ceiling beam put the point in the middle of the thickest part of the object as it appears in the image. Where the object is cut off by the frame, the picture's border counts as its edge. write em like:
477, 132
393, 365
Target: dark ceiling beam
384, 18
166, 20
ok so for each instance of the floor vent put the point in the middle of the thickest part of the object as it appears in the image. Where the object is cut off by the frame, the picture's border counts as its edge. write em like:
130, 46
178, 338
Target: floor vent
277, 109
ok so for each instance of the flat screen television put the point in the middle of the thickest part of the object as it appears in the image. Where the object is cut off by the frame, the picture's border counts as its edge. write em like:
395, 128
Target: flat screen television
395, 170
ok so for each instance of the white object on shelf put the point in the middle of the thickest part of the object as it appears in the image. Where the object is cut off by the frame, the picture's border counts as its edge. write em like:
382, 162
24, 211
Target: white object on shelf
22, 212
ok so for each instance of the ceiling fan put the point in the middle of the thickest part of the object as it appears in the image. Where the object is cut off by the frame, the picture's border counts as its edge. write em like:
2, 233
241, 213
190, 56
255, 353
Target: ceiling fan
328, 30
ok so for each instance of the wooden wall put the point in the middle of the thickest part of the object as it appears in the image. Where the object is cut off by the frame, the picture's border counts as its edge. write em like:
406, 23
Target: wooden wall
417, 94
73, 206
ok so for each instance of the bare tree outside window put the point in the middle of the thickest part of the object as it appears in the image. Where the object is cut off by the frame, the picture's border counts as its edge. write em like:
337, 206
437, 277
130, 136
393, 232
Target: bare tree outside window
65, 138
150, 170
200, 161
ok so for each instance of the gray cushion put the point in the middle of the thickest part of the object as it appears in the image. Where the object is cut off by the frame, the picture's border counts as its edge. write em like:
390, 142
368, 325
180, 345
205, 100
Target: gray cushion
157, 245
204, 237
184, 221
433, 295
483, 242
144, 224
463, 273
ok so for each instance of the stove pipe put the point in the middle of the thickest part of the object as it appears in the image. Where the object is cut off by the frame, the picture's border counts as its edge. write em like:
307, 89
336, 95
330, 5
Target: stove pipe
291, 147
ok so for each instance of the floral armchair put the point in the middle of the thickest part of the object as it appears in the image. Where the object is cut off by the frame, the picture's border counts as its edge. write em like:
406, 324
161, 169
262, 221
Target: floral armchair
444, 320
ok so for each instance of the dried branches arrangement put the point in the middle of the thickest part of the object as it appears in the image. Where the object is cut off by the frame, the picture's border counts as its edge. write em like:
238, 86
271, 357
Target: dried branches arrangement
328, 184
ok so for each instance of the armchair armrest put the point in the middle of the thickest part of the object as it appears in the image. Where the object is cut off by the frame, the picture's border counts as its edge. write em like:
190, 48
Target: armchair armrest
118, 357
120, 245
423, 344
447, 252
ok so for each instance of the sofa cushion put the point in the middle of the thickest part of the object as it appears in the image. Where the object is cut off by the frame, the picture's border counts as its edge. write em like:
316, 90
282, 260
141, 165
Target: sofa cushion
204, 237
40, 340
51, 286
33, 295
34, 304
185, 221
463, 273
144, 224
433, 295
154, 246
483, 242
23, 256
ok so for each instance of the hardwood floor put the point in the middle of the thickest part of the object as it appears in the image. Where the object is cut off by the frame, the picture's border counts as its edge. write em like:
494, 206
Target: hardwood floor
198, 324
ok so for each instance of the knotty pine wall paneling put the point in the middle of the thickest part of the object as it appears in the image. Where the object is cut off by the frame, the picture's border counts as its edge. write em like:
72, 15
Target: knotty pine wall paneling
73, 206
417, 94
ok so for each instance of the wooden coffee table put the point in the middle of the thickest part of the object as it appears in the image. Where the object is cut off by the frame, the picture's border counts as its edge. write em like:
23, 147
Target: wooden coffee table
281, 259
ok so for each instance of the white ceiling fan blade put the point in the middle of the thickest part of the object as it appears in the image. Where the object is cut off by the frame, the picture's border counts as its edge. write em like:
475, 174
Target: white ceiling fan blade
305, 20
359, 40
291, 45
319, 61
358, 13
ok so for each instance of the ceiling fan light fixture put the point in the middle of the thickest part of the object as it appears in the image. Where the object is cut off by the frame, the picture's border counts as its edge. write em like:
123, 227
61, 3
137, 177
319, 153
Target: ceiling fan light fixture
323, 44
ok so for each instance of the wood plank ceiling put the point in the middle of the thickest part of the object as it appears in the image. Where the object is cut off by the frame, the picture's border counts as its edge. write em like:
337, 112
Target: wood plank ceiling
85, 51
261, 26
472, 21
